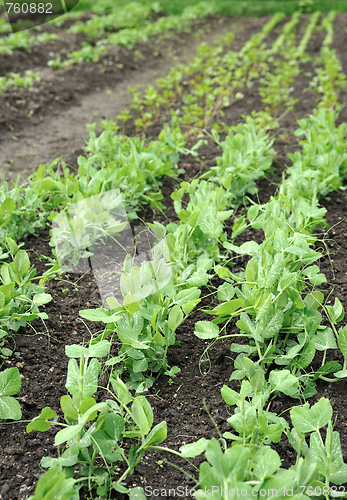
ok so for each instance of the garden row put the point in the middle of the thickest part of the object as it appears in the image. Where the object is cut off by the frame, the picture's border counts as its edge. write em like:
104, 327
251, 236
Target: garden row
277, 302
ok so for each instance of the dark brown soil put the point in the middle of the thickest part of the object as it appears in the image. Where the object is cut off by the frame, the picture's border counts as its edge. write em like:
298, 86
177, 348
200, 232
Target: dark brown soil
39, 352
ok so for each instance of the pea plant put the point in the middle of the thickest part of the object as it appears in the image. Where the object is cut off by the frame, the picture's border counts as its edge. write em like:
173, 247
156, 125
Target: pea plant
213, 79
251, 465
19, 81
130, 16
146, 322
276, 300
95, 435
10, 383
20, 297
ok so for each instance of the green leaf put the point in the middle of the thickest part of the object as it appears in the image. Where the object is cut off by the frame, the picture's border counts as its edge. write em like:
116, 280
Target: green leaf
306, 419
282, 380
54, 485
185, 296
324, 339
113, 302
82, 385
103, 443
99, 350
142, 414
330, 367
251, 272
22, 262
306, 355
225, 292
314, 299
76, 351
131, 304
194, 449
252, 213
336, 313
230, 397
86, 404
206, 330
228, 308
339, 311
314, 276
12, 245
121, 391
99, 314
342, 341
10, 408
274, 326
242, 348
10, 382
245, 249
8, 206
275, 271
41, 423
69, 409
140, 365
157, 435
137, 493
158, 339
280, 241
248, 366
341, 374
296, 250
42, 298
114, 426
257, 380
268, 463
175, 317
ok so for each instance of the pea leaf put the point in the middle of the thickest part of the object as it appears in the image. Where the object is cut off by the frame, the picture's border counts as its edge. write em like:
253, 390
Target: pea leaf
306, 419
282, 380
206, 330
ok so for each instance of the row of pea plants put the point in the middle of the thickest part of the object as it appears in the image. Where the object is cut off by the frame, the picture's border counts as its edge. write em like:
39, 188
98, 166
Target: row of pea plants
278, 308
211, 79
215, 78
330, 79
